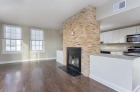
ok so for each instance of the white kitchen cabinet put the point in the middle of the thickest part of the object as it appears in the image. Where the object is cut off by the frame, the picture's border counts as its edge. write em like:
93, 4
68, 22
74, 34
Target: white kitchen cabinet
119, 36
102, 37
131, 30
105, 37
116, 36
138, 29
122, 35
108, 37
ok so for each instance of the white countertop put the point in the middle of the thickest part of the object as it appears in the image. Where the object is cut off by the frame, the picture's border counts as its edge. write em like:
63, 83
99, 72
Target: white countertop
112, 50
117, 56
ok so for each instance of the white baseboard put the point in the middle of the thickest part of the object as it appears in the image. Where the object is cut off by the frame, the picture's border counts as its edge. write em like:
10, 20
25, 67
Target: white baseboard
18, 61
111, 85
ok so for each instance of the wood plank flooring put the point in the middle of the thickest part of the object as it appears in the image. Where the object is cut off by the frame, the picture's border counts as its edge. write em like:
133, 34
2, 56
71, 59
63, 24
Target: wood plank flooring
44, 76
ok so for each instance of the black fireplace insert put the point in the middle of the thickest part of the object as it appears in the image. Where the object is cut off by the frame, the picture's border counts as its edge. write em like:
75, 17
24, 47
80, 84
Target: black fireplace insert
73, 66
74, 58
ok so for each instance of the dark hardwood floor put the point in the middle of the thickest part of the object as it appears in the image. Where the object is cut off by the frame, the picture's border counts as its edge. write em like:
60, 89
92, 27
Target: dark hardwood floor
44, 76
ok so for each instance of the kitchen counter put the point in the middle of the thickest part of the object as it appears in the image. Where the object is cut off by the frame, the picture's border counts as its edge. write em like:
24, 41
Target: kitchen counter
112, 50
115, 71
117, 56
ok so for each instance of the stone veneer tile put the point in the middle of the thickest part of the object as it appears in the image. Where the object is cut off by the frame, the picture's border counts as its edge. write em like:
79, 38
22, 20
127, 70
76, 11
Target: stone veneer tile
86, 34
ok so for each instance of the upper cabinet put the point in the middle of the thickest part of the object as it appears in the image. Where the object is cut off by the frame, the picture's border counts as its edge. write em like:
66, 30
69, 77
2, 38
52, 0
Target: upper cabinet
122, 35
102, 37
108, 37
131, 30
105, 37
116, 36
119, 36
138, 29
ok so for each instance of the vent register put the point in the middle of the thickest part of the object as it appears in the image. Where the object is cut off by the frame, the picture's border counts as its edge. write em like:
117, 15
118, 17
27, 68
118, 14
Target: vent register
119, 6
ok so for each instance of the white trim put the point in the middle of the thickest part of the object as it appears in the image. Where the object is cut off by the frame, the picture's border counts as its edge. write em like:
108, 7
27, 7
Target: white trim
21, 61
111, 85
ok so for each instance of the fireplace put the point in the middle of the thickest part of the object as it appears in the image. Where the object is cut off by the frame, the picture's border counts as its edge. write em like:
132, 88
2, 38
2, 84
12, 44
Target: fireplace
74, 58
73, 66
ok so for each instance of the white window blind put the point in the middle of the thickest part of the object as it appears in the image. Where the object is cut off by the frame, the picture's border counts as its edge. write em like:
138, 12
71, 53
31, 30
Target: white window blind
12, 39
37, 40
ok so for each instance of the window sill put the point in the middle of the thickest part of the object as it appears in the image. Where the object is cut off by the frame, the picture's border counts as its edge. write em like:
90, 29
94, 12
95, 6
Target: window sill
37, 51
12, 53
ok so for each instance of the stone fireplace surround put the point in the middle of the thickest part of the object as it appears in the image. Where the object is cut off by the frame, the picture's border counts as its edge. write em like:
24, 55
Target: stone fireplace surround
82, 30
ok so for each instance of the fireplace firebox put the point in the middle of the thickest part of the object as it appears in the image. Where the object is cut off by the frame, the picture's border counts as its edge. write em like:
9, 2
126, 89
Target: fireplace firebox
73, 66
74, 58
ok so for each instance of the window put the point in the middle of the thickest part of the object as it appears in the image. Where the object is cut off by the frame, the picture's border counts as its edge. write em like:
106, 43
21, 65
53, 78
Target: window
12, 39
37, 40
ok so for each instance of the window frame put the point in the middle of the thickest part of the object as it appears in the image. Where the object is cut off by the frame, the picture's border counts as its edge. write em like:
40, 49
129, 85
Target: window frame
4, 40
43, 44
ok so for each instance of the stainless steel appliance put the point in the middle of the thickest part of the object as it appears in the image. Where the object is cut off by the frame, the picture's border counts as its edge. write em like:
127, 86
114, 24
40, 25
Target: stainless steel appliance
133, 38
133, 51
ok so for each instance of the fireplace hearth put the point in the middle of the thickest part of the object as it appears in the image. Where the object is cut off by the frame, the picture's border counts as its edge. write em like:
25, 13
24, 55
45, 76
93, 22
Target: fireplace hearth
73, 66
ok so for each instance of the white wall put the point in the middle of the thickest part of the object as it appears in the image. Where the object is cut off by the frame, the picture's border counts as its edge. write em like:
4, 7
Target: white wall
53, 42
106, 10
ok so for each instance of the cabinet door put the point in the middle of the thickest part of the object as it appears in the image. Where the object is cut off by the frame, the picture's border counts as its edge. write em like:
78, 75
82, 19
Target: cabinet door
131, 30
116, 36
122, 35
105, 37
110, 37
102, 37
138, 29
